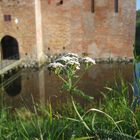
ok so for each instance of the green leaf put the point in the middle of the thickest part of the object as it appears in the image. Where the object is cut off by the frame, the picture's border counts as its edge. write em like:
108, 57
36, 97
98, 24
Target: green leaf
81, 94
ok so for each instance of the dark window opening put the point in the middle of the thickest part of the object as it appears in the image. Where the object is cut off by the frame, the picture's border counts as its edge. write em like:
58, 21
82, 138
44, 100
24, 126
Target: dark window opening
10, 48
7, 18
60, 3
92, 6
14, 88
116, 6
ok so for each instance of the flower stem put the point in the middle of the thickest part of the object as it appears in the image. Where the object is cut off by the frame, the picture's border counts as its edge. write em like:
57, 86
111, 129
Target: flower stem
79, 78
62, 79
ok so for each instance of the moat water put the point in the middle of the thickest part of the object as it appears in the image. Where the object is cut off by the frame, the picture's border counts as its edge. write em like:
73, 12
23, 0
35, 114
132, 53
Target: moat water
45, 86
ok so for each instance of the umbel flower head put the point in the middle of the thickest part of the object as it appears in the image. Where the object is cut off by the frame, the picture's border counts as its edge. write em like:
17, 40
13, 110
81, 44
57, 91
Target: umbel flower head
69, 61
65, 59
56, 67
72, 55
65, 68
87, 61
72, 64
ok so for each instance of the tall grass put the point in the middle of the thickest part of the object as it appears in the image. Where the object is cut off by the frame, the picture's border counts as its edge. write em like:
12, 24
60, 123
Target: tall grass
112, 119
30, 126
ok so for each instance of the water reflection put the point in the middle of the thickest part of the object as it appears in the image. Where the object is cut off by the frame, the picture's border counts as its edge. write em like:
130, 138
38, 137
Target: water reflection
12, 84
44, 87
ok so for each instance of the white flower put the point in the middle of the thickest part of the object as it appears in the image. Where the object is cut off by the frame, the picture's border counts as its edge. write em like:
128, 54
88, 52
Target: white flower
77, 67
55, 65
71, 55
65, 59
88, 60
73, 64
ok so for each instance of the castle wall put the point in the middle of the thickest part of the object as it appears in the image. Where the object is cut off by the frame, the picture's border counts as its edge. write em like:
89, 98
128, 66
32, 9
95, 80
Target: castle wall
72, 27
22, 24
39, 34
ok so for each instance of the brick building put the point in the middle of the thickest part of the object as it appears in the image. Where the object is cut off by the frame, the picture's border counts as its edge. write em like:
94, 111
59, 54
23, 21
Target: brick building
98, 28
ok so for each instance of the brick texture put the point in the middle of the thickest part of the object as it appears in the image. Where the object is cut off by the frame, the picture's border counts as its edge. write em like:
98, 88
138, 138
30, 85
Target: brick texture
46, 26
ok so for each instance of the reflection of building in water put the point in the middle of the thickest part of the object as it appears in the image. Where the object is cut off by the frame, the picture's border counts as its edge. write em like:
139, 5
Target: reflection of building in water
22, 89
41, 80
12, 84
30, 84
44, 86
102, 75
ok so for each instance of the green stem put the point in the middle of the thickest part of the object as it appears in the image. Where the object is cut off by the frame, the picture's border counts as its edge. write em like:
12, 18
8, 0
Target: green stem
80, 77
70, 83
80, 117
62, 79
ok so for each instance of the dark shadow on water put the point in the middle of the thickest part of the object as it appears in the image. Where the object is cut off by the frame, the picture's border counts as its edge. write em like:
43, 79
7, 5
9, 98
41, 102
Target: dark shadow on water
14, 87
45, 87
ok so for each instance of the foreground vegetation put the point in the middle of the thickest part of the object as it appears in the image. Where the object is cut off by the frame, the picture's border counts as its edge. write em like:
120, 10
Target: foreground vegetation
115, 116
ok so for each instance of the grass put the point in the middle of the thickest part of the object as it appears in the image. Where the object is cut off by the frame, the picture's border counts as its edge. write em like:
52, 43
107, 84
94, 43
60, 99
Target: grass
113, 118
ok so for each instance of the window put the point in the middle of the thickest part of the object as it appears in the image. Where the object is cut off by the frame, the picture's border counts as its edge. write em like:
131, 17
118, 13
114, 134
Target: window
7, 18
92, 6
116, 6
60, 3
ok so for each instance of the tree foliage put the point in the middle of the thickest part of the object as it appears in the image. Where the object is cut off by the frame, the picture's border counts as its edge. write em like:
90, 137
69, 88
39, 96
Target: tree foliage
137, 40
138, 15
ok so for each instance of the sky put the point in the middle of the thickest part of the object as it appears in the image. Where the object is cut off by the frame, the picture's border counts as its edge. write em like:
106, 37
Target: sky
138, 4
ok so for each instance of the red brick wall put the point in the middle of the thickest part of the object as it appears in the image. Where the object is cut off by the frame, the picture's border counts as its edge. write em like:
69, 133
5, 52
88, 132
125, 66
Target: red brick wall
100, 34
71, 27
24, 31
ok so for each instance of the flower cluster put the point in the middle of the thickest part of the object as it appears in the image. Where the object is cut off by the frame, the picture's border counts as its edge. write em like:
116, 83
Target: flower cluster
55, 65
88, 60
69, 61
65, 68
65, 59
